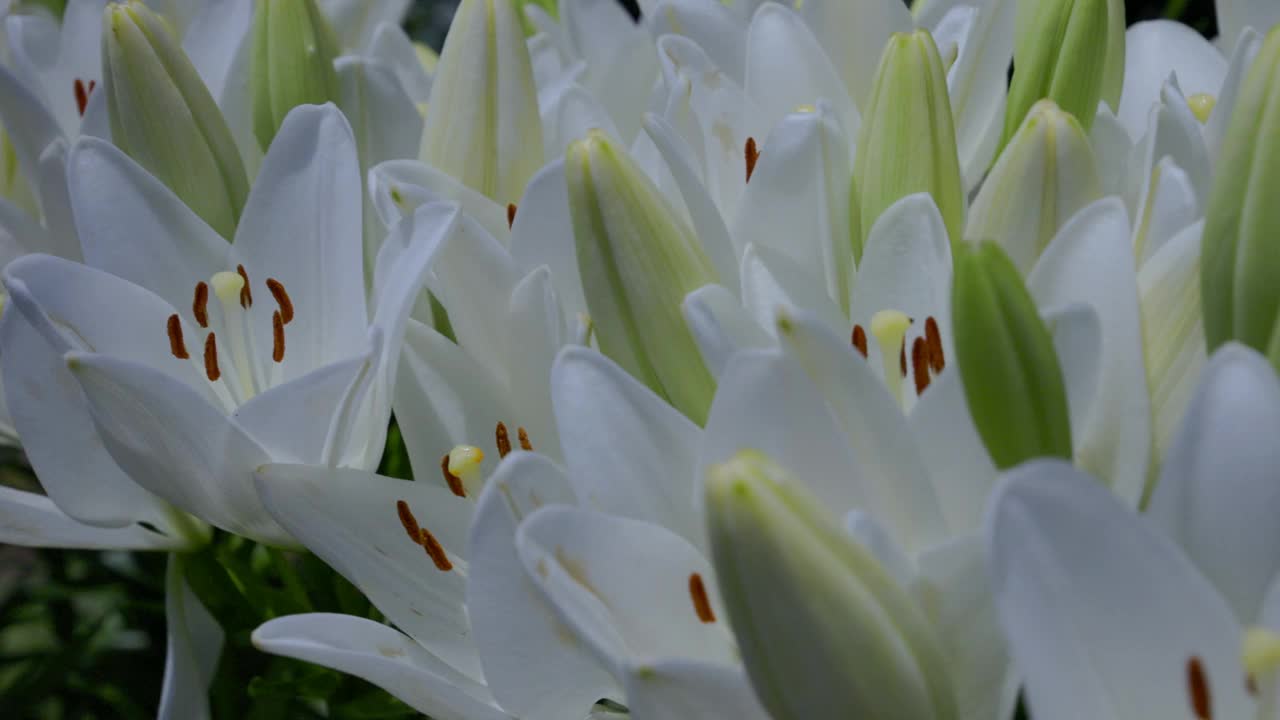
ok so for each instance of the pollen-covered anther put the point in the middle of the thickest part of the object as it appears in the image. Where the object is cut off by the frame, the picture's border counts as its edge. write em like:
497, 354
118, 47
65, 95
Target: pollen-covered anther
277, 337
524, 439
246, 295
502, 440
933, 343
282, 299
211, 370
200, 304
701, 603
176, 344
860, 340
752, 154
453, 481
920, 364
82, 92
511, 215
409, 522
435, 551
1198, 689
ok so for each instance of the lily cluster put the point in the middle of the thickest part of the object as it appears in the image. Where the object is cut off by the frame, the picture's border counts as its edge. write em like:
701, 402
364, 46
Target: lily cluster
754, 360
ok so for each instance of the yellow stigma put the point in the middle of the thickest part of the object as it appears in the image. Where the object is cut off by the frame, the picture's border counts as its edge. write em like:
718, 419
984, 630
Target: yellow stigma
890, 329
464, 463
227, 286
1201, 105
1260, 651
806, 108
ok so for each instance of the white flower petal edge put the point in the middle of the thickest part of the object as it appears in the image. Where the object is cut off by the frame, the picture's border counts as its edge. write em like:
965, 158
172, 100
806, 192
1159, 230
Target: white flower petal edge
194, 644
1105, 617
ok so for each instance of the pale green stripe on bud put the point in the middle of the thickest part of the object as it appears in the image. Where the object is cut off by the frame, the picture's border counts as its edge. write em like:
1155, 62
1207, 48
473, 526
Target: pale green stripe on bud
293, 52
163, 116
482, 124
907, 143
1240, 253
822, 627
1069, 51
638, 259
1045, 174
1012, 380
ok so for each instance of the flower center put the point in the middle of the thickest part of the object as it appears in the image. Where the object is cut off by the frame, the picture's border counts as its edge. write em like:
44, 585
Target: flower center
229, 345
926, 361
1201, 105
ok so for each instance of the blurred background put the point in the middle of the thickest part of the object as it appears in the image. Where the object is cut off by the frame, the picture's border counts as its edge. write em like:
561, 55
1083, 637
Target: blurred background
82, 634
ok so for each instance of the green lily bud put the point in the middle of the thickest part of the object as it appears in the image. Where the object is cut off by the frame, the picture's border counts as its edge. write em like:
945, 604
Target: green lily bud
163, 116
1010, 370
820, 623
482, 125
908, 142
1240, 249
1045, 174
293, 52
1069, 51
638, 260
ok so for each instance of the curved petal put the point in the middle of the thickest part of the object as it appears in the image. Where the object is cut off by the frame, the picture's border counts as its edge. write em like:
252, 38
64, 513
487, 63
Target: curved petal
1090, 262
382, 656
893, 472
626, 450
191, 652
1246, 49
136, 228
301, 226
716, 28
624, 587
172, 442
531, 659
1095, 604
1219, 492
542, 234
1234, 16
1152, 51
853, 35
536, 326
771, 282
677, 689
33, 520
352, 520
213, 38
391, 46
29, 123
720, 326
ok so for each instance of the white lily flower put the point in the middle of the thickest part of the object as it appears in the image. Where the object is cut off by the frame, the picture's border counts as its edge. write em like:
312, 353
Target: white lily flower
1095, 600
196, 361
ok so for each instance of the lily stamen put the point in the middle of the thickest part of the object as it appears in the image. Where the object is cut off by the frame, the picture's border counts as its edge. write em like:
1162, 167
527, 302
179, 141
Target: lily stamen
752, 154
1198, 690
502, 439
246, 295
211, 369
200, 304
860, 340
282, 299
701, 604
176, 344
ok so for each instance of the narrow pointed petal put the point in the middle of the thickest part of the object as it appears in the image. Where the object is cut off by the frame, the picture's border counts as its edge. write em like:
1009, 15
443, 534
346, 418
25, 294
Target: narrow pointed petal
383, 656
192, 650
721, 326
32, 520
786, 68
952, 451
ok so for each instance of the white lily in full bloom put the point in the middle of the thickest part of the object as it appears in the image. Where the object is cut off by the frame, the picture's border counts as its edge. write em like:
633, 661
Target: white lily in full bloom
1176, 615
189, 362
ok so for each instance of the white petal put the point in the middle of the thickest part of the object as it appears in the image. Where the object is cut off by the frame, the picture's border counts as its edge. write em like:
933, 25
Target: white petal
893, 474
30, 124
853, 35
1077, 339
714, 27
1103, 614
624, 586
797, 202
356, 20
33, 520
136, 228
213, 38
393, 47
786, 68
350, 519
1154, 49
192, 649
1090, 262
301, 226
976, 80
537, 328
771, 282
382, 656
1168, 205
1246, 49
1219, 493
543, 235
626, 450
55, 201
721, 326
679, 689
1236, 15
172, 442
536, 667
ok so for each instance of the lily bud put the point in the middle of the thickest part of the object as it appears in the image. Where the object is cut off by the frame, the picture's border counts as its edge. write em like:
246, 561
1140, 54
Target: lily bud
1012, 380
482, 125
1045, 174
1069, 51
820, 623
163, 116
293, 51
638, 260
1240, 250
908, 142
